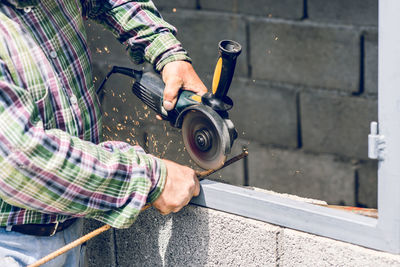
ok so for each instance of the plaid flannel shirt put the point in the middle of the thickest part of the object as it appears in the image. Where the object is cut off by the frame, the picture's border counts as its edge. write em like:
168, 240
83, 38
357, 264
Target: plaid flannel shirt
53, 164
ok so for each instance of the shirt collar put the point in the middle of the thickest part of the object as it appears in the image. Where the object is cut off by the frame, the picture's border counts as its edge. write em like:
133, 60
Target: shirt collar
23, 3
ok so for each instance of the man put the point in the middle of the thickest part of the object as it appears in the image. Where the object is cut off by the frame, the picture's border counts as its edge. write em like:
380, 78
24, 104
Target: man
53, 165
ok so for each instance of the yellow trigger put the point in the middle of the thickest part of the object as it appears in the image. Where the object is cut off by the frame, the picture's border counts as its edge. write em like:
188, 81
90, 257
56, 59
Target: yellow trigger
196, 98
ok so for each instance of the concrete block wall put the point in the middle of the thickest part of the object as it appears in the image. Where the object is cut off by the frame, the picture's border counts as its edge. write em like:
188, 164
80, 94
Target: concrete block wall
204, 237
305, 91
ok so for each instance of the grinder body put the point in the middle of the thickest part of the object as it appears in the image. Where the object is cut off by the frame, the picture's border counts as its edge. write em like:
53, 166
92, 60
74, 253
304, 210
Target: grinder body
207, 131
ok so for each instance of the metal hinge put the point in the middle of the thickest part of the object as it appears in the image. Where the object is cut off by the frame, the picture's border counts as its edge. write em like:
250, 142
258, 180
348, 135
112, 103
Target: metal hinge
376, 143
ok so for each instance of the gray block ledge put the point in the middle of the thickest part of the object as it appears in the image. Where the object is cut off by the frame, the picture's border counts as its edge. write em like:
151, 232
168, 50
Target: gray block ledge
204, 237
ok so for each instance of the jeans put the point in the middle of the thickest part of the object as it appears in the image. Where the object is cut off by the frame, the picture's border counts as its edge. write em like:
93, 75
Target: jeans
18, 249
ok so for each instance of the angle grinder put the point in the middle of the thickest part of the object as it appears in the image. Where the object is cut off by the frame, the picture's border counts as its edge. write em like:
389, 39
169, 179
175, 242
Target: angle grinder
207, 131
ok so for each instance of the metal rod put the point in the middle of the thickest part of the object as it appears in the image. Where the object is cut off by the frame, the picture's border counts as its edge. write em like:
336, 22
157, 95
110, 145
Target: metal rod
70, 246
203, 174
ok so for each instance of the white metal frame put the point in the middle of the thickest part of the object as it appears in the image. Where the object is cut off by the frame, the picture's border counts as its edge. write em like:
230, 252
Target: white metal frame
383, 233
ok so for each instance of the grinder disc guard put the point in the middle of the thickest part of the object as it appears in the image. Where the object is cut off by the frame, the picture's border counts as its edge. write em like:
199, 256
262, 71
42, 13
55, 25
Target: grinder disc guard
206, 137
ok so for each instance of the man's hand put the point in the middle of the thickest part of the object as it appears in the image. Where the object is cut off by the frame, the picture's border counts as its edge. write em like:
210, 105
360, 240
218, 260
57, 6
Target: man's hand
180, 75
181, 185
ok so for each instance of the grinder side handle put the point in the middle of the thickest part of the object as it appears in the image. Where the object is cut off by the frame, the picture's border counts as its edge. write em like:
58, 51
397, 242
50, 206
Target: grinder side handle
228, 52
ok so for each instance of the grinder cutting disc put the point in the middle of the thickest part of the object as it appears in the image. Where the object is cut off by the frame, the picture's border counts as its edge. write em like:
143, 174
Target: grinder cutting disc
206, 137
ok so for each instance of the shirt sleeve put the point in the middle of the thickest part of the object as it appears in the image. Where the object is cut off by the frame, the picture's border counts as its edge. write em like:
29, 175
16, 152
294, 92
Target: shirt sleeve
139, 25
55, 173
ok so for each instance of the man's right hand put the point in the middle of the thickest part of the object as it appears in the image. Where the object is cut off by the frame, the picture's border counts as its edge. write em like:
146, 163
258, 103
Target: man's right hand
181, 185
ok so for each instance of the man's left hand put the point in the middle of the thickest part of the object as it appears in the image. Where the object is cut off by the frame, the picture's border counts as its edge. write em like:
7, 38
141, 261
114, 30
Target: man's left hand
180, 75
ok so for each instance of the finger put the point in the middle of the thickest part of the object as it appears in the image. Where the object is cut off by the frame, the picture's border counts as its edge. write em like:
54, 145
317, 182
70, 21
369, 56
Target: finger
177, 209
196, 191
196, 86
161, 207
172, 87
145, 207
164, 211
158, 117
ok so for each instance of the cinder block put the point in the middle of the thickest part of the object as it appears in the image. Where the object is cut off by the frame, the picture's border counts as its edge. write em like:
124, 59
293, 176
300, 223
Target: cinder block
264, 113
175, 4
301, 249
336, 124
196, 237
360, 12
200, 33
368, 184
100, 250
288, 9
371, 62
294, 172
304, 53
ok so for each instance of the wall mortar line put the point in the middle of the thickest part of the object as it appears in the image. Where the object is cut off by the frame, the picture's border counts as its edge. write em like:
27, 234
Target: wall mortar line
114, 249
278, 239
